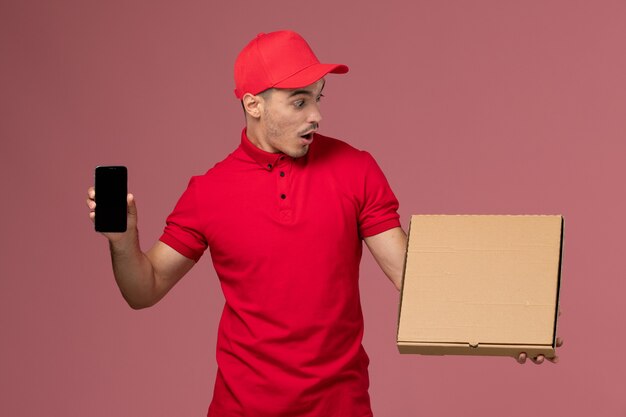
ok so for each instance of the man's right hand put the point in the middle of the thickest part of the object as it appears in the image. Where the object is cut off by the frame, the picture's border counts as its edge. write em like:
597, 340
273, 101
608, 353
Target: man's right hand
131, 216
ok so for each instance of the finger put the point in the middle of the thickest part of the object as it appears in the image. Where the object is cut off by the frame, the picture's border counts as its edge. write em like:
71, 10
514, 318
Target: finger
91, 197
522, 358
559, 342
92, 215
553, 360
538, 360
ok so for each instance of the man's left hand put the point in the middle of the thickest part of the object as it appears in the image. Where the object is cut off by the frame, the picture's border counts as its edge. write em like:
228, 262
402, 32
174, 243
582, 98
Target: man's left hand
540, 358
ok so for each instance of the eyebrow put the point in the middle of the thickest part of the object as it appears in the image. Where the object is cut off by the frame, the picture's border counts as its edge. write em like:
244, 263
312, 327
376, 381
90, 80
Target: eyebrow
305, 92
298, 92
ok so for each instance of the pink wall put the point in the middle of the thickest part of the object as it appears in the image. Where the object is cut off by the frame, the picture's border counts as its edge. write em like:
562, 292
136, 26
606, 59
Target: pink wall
470, 107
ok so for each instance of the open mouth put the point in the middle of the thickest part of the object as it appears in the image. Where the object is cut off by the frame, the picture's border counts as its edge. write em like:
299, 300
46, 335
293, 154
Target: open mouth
308, 136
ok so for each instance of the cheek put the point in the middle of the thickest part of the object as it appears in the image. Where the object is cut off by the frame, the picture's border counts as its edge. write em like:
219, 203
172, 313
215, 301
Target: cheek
282, 126
273, 128
283, 130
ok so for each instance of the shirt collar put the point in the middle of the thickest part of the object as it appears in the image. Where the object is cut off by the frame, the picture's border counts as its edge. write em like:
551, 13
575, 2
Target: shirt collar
267, 160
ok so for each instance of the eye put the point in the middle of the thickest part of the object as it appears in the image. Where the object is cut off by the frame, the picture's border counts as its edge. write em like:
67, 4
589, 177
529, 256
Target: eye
298, 103
319, 97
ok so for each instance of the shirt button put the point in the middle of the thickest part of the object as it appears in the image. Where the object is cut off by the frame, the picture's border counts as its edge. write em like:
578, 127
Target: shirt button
283, 196
269, 166
282, 174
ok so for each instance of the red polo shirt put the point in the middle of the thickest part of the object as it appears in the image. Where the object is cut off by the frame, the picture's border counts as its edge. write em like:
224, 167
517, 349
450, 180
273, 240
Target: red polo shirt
285, 236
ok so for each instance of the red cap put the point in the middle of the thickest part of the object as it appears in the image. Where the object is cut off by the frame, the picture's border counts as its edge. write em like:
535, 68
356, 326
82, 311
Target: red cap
280, 59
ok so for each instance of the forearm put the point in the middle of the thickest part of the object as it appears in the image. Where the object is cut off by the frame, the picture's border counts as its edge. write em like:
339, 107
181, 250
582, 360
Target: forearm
133, 272
393, 264
389, 250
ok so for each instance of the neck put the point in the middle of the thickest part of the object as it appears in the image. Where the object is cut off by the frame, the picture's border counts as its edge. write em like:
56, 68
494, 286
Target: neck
256, 137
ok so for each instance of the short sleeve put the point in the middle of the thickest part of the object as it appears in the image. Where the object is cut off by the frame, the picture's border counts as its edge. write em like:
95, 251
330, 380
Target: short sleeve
379, 208
184, 230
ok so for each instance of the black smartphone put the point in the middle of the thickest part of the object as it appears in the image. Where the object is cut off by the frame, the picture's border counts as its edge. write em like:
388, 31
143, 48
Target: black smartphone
111, 188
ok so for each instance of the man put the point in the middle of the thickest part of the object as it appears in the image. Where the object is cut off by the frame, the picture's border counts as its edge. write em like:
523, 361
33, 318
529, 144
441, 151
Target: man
284, 217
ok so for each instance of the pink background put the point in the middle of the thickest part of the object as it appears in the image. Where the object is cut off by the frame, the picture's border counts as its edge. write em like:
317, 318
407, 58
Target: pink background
469, 107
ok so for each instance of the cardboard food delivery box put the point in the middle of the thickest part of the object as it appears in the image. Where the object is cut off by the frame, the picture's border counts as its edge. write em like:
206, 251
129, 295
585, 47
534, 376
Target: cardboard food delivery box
481, 285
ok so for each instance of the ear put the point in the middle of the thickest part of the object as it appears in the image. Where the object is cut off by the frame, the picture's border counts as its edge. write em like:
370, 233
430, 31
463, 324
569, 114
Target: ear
253, 105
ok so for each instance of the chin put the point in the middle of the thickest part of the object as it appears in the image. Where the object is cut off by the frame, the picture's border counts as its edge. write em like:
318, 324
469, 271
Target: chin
299, 153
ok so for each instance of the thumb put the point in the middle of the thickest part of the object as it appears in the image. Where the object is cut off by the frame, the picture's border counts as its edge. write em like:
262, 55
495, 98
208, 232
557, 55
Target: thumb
131, 207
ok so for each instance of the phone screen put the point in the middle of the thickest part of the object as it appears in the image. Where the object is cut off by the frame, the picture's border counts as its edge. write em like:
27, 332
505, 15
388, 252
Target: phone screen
111, 189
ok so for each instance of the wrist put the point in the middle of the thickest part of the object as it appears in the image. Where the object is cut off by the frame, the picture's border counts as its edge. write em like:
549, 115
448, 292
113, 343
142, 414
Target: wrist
124, 243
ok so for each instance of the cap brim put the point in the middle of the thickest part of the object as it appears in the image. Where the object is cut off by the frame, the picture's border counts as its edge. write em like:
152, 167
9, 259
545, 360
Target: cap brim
310, 75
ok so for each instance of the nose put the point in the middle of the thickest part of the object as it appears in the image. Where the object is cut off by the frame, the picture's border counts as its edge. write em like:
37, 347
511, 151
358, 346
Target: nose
315, 116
